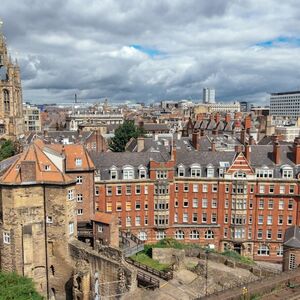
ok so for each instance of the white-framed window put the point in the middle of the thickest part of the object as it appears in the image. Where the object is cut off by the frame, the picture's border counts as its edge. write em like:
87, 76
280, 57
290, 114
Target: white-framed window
100, 228
118, 190
280, 219
79, 180
204, 188
279, 250
146, 189
204, 217
97, 191
270, 204
290, 204
204, 203
194, 235
290, 220
181, 171
260, 219
137, 189
179, 235
287, 172
261, 203
195, 203
137, 221
78, 162
128, 173
279, 234
176, 217
282, 189
186, 187
79, 212
210, 171
195, 170
71, 228
214, 218
214, 203
261, 189
113, 173
209, 234
281, 204
79, 197
185, 218
269, 234
142, 235
128, 221
264, 173
70, 194
263, 250
239, 174
109, 190
142, 172
49, 219
160, 234
292, 189
195, 188
162, 174
270, 220
137, 205
259, 234
6, 237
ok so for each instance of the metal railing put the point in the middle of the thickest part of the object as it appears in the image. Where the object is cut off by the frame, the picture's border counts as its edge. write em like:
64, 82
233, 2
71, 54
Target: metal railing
166, 275
147, 281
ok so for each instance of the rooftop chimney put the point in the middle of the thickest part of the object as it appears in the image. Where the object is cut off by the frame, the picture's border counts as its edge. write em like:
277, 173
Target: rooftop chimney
238, 148
195, 140
297, 150
248, 152
213, 146
173, 152
276, 151
243, 136
247, 122
140, 144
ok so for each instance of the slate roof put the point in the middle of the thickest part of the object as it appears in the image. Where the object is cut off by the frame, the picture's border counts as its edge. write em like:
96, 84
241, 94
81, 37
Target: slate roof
292, 237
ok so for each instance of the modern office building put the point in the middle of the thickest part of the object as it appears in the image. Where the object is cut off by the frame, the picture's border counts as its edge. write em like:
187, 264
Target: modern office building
209, 95
285, 104
32, 118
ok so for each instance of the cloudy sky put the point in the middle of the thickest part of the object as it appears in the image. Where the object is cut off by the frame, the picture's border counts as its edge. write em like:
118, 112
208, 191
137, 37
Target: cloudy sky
149, 50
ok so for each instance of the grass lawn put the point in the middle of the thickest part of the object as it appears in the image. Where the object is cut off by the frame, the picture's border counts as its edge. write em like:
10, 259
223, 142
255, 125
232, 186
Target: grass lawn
146, 260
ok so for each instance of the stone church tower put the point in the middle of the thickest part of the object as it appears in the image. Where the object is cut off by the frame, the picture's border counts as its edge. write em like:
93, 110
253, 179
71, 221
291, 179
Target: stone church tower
11, 106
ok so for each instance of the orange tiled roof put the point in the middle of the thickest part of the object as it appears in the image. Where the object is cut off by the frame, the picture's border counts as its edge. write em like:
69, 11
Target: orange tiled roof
72, 152
34, 154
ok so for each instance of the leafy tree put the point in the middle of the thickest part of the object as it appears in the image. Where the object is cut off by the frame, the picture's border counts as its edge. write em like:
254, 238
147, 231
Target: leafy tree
15, 287
7, 149
123, 134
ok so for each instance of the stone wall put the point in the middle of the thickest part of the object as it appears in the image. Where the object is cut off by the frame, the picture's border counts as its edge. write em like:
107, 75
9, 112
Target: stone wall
106, 267
169, 255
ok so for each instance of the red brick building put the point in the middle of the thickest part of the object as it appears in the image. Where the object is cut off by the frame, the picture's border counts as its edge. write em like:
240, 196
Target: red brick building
241, 200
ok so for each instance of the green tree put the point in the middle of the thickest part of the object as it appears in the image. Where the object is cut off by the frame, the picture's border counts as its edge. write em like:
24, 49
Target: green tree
15, 287
7, 149
123, 134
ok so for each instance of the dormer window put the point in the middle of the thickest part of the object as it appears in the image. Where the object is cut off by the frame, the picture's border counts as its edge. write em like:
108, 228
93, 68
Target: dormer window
264, 172
195, 170
47, 168
210, 171
142, 172
287, 172
181, 171
78, 162
128, 172
113, 173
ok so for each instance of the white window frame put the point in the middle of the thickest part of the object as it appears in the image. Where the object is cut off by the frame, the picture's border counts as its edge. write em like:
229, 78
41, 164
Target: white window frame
6, 237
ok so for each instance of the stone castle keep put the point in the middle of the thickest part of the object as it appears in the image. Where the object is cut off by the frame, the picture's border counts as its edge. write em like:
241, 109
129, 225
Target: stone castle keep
11, 109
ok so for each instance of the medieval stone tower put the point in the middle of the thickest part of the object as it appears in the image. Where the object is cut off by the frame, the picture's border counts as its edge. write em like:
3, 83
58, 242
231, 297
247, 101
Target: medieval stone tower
11, 107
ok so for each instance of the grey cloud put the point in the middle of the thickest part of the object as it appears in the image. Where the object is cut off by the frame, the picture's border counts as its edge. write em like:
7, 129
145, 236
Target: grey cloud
75, 46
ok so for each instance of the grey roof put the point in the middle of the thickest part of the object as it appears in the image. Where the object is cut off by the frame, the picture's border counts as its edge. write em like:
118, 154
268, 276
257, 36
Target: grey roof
105, 160
292, 237
155, 127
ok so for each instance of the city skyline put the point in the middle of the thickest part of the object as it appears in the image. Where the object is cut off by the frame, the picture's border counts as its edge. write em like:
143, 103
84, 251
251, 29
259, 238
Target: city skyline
148, 52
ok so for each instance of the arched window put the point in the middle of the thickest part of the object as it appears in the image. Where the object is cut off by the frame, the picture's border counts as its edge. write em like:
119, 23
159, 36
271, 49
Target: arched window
179, 235
194, 235
113, 173
263, 250
6, 100
209, 234
181, 171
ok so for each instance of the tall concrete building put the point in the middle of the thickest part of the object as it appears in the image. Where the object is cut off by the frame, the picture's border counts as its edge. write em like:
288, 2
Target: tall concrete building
209, 95
11, 107
285, 104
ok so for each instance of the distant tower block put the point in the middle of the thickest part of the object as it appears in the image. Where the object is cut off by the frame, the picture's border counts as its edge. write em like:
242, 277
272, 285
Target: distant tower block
209, 95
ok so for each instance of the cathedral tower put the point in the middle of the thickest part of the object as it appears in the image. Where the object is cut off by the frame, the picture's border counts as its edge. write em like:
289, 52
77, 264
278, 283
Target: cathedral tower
11, 106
